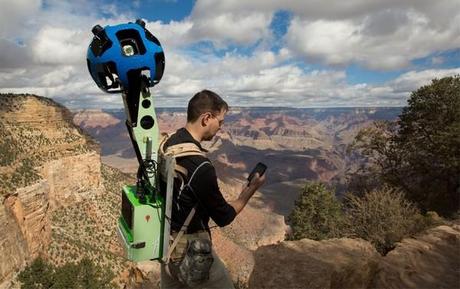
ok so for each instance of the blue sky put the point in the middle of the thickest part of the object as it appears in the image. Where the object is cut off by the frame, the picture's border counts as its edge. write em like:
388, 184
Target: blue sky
163, 10
254, 53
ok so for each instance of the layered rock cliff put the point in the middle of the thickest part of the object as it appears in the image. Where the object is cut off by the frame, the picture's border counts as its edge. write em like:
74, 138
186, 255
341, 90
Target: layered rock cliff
46, 162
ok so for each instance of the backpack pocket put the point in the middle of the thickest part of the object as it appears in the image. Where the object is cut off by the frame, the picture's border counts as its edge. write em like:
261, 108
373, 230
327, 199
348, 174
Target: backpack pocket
194, 268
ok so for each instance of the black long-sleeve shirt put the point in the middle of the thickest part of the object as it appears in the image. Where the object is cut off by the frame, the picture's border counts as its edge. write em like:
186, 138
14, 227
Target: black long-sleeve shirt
205, 191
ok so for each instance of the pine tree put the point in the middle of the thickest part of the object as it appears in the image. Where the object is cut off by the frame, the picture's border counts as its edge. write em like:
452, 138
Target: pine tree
419, 153
317, 214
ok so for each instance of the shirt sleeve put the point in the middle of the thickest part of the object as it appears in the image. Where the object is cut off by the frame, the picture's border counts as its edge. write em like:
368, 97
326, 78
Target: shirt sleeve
205, 186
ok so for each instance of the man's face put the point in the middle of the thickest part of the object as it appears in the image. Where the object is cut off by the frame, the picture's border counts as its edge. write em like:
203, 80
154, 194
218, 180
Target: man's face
213, 123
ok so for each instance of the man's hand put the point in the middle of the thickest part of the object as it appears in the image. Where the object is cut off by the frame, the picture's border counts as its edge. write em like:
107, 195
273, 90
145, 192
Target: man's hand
247, 192
257, 181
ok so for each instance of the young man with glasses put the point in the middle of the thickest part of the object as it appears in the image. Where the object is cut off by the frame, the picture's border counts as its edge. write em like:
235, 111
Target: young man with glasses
205, 116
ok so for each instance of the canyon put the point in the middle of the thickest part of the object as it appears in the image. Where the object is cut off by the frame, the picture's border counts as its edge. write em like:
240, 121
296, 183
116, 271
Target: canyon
297, 145
61, 197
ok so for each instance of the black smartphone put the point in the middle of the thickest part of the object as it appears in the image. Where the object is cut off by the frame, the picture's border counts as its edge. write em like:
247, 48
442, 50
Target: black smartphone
260, 168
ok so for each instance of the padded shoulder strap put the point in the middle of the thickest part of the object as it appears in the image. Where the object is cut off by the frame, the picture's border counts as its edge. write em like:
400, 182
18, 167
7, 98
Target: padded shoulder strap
183, 150
164, 137
179, 150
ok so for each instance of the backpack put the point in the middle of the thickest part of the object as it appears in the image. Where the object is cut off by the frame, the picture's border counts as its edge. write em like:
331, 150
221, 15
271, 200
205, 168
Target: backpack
168, 171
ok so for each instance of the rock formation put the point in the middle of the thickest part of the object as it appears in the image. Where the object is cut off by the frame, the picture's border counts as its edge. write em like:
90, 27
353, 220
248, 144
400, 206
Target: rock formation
335, 263
95, 118
46, 162
430, 260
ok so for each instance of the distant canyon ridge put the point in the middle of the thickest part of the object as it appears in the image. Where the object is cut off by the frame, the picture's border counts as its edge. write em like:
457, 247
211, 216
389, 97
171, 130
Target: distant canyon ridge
297, 144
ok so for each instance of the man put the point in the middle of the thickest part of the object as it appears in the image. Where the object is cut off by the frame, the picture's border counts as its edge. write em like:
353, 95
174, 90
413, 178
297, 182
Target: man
205, 116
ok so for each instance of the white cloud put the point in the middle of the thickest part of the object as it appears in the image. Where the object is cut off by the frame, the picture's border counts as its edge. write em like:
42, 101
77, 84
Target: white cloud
412, 80
261, 79
46, 53
221, 29
222, 22
331, 9
14, 14
330, 41
381, 35
57, 45
13, 55
369, 42
58, 76
173, 34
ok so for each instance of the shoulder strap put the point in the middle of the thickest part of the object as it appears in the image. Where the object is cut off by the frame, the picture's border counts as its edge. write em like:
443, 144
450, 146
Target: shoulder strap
187, 220
177, 151
163, 139
184, 149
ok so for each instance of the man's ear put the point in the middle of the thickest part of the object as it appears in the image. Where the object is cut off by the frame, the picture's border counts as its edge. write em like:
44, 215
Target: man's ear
205, 119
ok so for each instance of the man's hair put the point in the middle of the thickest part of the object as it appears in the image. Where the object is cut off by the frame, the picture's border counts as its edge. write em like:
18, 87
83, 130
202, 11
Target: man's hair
205, 101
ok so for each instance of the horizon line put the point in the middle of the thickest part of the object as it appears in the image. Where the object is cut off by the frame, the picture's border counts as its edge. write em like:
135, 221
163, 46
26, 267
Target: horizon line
264, 107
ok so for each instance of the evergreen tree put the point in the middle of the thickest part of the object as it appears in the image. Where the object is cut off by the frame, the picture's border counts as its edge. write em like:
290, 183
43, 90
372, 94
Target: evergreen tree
419, 153
430, 135
38, 275
316, 215
66, 277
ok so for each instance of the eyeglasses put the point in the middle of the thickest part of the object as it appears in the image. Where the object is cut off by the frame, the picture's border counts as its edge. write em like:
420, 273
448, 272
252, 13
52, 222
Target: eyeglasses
221, 121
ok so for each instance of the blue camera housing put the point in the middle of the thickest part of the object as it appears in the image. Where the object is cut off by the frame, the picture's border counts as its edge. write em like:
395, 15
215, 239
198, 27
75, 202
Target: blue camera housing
119, 55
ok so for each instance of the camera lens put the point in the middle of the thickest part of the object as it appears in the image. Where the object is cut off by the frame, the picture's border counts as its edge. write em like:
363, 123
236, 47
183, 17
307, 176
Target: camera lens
128, 50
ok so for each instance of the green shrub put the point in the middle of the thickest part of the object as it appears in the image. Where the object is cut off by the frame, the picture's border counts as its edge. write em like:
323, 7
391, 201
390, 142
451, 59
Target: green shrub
317, 214
82, 275
37, 275
25, 174
381, 217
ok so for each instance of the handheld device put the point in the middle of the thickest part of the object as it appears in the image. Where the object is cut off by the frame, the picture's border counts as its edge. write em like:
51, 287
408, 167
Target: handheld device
259, 168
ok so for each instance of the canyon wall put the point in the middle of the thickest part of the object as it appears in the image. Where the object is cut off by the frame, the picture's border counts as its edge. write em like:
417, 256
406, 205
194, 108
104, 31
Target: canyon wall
46, 162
